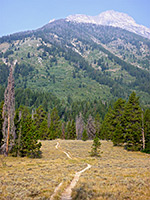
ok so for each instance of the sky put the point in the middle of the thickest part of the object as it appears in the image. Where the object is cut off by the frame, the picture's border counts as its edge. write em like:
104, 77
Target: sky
22, 15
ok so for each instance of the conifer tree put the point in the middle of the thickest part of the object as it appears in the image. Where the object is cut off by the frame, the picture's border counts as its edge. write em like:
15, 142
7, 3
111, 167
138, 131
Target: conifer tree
26, 143
43, 131
147, 130
41, 123
71, 130
84, 135
117, 124
95, 151
55, 125
107, 126
68, 130
132, 123
118, 135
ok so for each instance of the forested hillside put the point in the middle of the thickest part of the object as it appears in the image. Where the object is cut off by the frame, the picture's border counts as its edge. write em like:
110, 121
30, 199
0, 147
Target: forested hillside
65, 79
81, 61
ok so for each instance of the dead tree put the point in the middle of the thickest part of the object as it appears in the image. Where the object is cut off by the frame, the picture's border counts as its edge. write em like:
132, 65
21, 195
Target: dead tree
79, 126
8, 116
91, 130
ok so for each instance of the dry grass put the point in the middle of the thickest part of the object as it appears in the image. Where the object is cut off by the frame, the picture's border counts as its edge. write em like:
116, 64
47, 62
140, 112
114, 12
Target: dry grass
117, 174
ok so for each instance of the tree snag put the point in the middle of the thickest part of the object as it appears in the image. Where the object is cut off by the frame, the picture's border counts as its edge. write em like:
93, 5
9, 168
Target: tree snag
8, 116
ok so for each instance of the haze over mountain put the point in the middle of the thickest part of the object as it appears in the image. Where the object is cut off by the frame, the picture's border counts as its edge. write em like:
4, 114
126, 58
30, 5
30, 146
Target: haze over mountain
112, 18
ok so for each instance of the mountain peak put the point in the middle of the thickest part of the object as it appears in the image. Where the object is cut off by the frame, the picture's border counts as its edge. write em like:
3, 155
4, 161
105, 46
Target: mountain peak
112, 18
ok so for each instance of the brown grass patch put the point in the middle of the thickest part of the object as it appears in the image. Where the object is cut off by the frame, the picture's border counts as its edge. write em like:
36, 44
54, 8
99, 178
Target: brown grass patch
117, 174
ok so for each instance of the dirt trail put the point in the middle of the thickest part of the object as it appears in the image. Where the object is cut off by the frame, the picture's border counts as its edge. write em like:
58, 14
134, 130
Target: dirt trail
67, 193
55, 191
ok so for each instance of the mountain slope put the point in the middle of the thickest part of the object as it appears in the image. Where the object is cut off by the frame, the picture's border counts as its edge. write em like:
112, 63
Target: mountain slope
81, 61
112, 18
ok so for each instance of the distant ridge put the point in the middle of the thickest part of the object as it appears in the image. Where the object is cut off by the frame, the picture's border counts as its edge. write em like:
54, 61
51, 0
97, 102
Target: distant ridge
112, 18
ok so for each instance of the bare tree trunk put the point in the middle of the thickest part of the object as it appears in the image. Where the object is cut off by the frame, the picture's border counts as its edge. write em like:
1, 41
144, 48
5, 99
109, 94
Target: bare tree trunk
9, 135
91, 130
79, 127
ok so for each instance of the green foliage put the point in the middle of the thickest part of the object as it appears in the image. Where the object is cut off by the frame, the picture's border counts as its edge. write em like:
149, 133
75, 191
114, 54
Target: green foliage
95, 151
123, 124
26, 143
71, 130
132, 123
22, 70
118, 132
4, 72
118, 135
55, 125
59, 64
107, 127
147, 130
40, 122
84, 135
7, 53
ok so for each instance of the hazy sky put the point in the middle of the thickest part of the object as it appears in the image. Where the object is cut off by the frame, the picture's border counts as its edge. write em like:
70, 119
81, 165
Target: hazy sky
21, 15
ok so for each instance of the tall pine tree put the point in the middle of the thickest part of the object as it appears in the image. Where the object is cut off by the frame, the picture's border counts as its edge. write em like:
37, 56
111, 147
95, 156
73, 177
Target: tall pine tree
55, 125
26, 143
132, 123
107, 126
117, 124
41, 123
147, 130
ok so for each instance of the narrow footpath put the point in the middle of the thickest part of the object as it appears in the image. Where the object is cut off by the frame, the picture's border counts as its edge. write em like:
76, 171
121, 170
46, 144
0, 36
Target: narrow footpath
66, 195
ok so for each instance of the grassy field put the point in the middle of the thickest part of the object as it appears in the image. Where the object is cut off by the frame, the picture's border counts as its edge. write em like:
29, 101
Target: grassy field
117, 174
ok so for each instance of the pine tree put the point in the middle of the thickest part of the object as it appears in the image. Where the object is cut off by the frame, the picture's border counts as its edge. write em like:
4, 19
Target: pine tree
107, 126
71, 130
117, 124
55, 125
26, 143
68, 130
84, 135
43, 131
118, 136
41, 123
147, 130
9, 134
132, 123
95, 151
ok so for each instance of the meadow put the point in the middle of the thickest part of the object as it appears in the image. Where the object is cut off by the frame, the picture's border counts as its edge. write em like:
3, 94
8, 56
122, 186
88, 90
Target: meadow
116, 174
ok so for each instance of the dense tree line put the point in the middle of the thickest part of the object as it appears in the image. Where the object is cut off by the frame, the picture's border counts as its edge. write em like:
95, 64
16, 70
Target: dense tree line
124, 124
